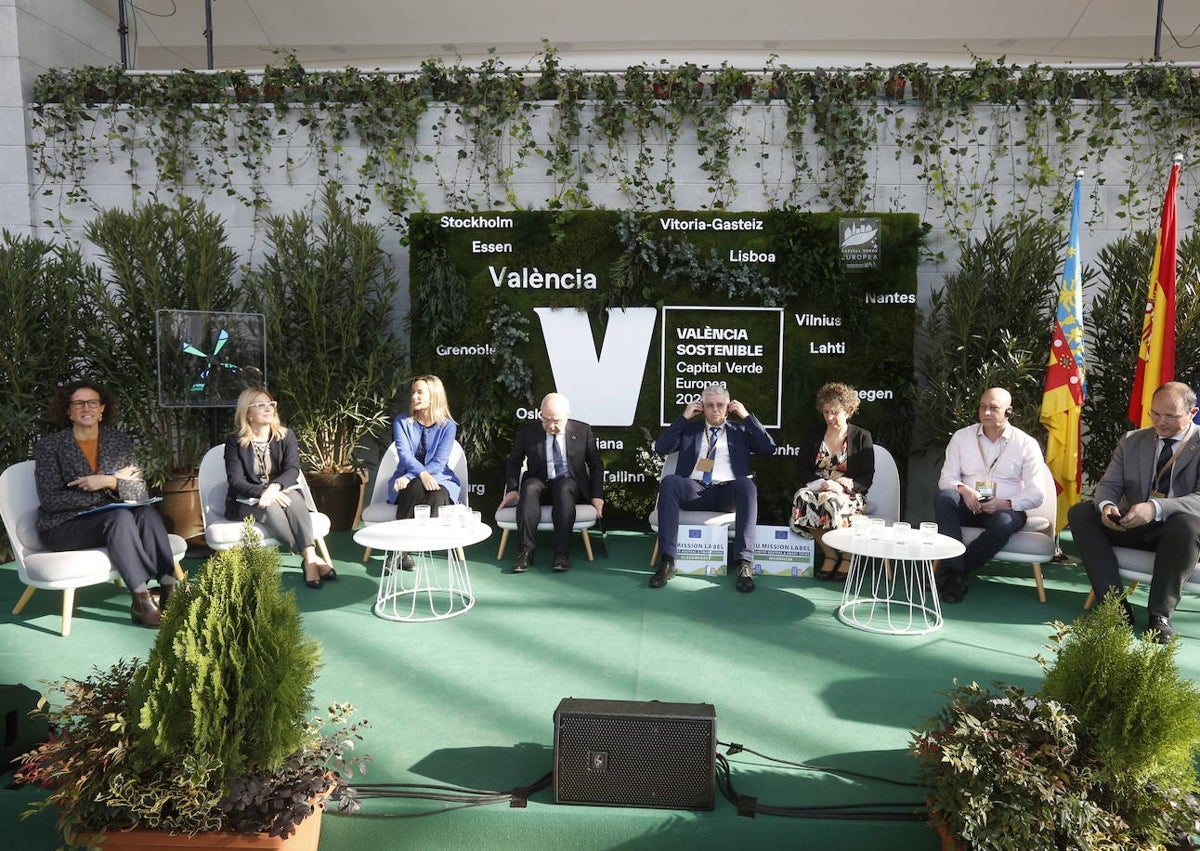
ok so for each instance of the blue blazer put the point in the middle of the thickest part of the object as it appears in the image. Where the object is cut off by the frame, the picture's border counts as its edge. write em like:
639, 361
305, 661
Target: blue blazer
744, 438
439, 440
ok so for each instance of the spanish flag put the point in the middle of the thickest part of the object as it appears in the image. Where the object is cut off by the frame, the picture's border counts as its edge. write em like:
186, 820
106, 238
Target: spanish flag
1066, 387
1156, 350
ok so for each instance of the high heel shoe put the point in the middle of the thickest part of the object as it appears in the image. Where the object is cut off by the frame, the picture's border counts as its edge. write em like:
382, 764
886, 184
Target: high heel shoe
827, 569
142, 610
314, 584
329, 576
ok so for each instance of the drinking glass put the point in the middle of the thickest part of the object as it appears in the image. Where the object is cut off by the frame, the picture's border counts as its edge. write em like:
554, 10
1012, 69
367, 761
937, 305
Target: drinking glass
421, 513
928, 532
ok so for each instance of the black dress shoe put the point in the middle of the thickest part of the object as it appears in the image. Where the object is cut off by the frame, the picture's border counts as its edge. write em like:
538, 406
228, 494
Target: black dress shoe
329, 575
1161, 629
523, 561
562, 562
955, 587
406, 562
745, 576
314, 584
665, 572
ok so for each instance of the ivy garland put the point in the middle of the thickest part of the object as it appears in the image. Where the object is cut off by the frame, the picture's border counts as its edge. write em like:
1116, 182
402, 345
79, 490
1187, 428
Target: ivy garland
963, 128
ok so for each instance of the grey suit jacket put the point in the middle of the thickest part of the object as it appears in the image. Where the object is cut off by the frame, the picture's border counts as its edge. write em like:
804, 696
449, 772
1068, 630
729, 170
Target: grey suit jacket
1128, 477
60, 460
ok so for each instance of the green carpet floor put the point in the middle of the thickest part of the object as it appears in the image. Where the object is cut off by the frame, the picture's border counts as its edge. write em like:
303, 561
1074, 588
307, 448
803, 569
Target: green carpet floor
470, 701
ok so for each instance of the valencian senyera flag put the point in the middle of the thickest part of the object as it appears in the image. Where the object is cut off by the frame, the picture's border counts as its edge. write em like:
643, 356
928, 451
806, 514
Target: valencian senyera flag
1066, 387
1156, 347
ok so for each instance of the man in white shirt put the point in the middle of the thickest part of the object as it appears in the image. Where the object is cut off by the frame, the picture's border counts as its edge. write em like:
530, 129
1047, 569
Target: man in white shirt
1148, 499
989, 480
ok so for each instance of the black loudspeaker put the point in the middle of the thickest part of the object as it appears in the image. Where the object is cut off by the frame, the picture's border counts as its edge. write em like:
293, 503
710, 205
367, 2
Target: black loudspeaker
18, 732
627, 753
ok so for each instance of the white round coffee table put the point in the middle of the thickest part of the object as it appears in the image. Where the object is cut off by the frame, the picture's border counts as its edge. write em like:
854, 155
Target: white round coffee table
890, 588
426, 593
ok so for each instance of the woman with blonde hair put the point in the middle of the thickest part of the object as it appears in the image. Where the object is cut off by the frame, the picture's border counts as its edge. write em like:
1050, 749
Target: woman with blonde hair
424, 437
262, 464
836, 464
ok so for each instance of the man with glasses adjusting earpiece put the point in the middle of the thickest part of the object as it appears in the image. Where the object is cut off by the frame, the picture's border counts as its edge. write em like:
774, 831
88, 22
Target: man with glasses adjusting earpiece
712, 474
1148, 499
990, 480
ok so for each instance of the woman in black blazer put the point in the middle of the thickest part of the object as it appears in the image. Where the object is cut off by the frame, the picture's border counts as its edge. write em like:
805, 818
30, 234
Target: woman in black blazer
262, 464
837, 465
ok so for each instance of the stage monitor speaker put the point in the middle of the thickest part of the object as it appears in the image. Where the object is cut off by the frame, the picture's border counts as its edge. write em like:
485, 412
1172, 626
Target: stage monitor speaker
627, 753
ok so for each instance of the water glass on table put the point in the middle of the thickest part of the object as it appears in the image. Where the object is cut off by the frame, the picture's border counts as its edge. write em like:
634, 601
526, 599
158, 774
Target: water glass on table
928, 532
421, 513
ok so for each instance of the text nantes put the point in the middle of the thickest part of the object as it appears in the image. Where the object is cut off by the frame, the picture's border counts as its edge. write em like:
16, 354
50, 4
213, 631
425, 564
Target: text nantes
535, 279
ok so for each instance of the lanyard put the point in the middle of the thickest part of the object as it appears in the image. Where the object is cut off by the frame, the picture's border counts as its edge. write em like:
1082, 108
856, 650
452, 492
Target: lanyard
987, 473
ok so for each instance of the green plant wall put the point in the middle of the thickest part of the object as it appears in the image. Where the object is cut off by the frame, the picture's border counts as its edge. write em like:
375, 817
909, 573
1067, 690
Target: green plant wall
776, 280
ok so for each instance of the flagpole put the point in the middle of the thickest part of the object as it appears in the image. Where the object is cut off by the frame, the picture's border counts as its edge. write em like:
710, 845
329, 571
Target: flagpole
1066, 387
1156, 344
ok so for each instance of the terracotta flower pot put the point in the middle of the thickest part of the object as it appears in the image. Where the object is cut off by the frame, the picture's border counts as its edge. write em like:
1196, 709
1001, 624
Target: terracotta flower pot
306, 838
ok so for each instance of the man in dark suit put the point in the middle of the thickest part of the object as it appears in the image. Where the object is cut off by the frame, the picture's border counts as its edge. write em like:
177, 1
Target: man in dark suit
1149, 499
562, 467
712, 474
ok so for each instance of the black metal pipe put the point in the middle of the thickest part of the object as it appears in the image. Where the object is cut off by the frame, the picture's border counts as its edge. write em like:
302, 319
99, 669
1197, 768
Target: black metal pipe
208, 31
1158, 22
123, 34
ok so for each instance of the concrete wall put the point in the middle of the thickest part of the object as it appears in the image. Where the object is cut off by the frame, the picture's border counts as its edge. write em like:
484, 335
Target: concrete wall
36, 35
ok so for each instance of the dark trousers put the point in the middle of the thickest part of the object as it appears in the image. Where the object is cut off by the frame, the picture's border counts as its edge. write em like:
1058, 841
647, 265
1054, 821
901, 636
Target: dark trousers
136, 540
562, 494
679, 493
1175, 543
952, 515
414, 494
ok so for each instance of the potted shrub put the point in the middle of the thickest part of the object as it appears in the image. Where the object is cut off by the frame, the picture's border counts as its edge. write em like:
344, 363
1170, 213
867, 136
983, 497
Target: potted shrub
211, 736
327, 288
1102, 757
157, 257
41, 287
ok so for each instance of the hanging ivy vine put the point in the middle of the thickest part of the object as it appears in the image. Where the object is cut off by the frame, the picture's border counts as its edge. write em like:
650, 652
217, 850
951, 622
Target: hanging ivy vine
989, 137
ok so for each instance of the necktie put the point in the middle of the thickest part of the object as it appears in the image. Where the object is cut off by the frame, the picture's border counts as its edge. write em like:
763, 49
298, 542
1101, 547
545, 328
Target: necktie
1160, 469
713, 431
560, 466
421, 448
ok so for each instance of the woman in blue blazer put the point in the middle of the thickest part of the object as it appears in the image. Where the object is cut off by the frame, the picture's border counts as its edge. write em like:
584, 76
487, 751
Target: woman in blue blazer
424, 437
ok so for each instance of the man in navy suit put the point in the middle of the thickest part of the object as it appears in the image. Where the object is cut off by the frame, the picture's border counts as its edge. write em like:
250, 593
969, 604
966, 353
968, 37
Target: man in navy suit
562, 467
1148, 499
712, 474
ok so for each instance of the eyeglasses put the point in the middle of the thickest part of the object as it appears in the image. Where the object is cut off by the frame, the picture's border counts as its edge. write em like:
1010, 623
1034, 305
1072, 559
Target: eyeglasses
80, 404
262, 405
1168, 418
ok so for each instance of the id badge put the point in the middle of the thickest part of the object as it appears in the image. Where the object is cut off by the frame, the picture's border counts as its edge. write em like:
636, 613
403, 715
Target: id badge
704, 465
987, 490
1156, 494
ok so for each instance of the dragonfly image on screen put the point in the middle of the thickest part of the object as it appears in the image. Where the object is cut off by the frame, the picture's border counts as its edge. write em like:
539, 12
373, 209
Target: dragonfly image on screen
211, 361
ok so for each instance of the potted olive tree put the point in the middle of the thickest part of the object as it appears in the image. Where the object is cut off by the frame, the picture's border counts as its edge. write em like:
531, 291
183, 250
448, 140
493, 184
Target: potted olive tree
157, 256
334, 360
1103, 757
211, 738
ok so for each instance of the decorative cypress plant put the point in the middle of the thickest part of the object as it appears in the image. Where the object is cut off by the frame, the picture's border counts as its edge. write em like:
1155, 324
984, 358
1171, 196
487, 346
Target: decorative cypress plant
1103, 757
212, 734
231, 656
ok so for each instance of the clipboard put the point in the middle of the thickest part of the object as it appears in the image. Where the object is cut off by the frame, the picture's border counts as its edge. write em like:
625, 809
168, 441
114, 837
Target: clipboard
108, 506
